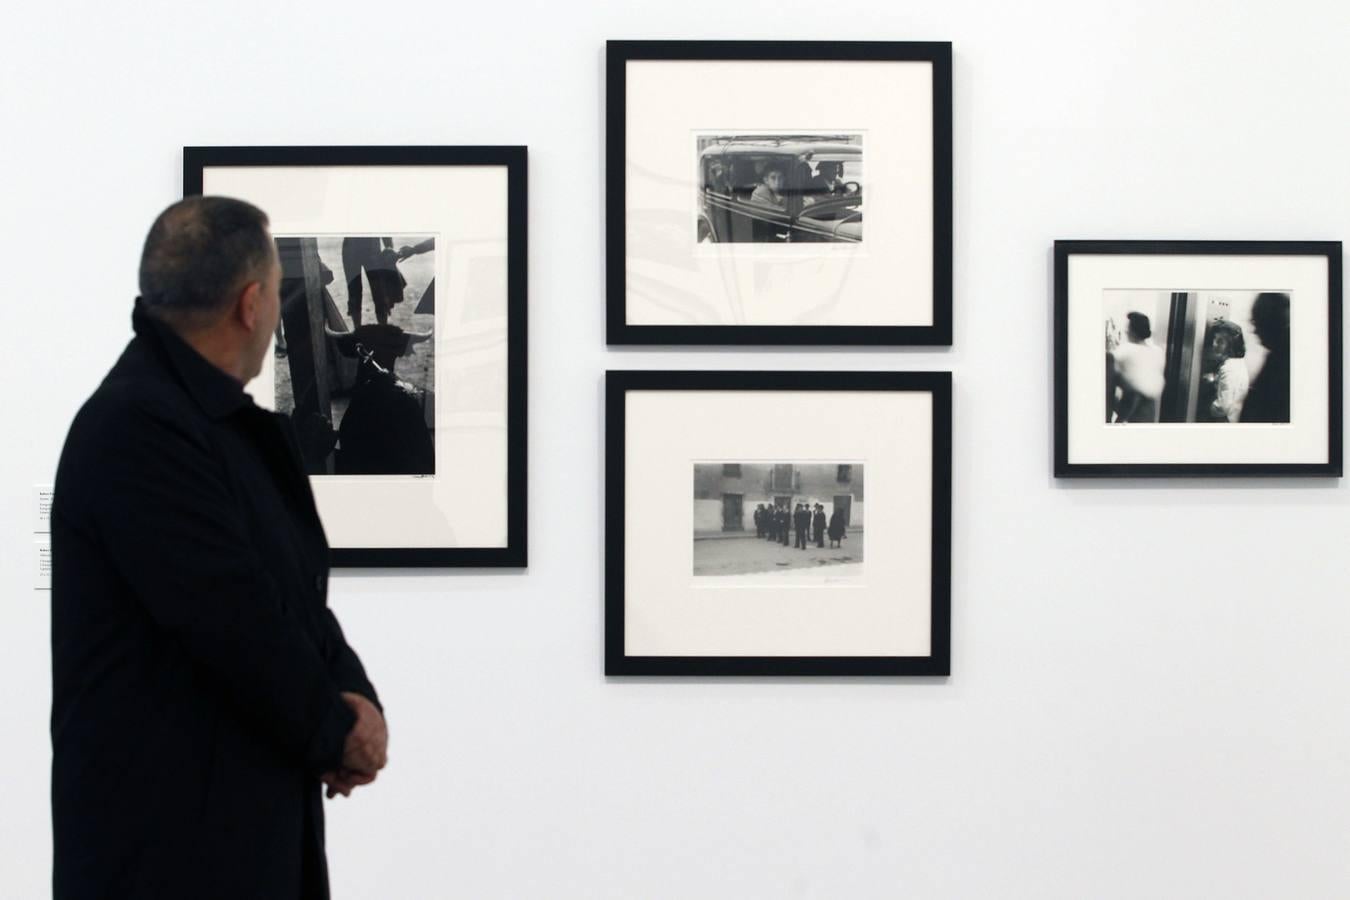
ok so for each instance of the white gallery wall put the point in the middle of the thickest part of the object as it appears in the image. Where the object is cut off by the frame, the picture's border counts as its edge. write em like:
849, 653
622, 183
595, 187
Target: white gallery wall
1150, 689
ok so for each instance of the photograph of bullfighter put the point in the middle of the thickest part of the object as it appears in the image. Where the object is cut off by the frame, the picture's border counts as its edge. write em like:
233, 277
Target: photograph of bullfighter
335, 376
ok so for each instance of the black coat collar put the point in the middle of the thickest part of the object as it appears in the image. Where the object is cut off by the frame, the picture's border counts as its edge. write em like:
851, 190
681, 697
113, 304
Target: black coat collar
217, 393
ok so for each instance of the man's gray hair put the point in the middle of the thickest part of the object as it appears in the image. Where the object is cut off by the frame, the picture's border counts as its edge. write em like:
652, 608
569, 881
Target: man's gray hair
198, 253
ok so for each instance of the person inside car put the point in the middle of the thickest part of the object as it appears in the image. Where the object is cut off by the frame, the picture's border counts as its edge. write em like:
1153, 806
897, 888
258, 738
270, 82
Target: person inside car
719, 177
769, 191
827, 182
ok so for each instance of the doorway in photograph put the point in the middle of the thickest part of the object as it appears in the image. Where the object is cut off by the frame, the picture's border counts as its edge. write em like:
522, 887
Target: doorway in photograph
844, 503
731, 512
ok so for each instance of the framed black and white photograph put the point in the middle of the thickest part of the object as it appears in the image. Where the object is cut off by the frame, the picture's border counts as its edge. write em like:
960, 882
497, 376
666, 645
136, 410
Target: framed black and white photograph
1197, 358
777, 523
736, 178
400, 356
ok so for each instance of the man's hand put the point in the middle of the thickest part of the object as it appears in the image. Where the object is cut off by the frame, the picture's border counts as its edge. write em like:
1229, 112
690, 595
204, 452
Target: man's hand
344, 781
365, 751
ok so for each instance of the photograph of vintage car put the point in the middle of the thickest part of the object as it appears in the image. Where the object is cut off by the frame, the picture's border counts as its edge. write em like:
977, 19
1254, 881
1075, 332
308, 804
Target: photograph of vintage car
787, 188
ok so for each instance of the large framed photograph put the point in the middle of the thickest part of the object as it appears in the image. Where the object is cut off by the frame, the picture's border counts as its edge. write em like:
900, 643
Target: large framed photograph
1197, 358
400, 357
777, 523
779, 192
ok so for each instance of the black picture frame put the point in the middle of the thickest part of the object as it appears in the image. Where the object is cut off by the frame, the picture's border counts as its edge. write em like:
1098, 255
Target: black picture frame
618, 384
197, 159
619, 332
1064, 250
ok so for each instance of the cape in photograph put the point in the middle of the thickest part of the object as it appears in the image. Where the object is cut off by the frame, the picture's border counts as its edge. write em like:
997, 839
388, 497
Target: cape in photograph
399, 362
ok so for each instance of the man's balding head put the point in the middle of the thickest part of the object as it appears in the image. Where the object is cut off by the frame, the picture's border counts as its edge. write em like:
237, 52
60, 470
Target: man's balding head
210, 272
199, 254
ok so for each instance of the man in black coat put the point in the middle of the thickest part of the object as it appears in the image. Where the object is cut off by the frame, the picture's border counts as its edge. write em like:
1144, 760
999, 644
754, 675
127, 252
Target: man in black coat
201, 688
801, 520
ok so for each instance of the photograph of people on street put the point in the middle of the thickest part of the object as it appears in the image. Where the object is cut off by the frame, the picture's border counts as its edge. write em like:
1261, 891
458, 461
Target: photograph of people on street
791, 519
361, 395
780, 188
1209, 357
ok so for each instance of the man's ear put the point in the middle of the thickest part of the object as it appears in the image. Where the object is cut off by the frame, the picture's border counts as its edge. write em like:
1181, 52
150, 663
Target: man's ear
248, 308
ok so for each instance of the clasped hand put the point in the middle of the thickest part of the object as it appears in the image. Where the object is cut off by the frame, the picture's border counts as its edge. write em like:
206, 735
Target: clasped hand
365, 752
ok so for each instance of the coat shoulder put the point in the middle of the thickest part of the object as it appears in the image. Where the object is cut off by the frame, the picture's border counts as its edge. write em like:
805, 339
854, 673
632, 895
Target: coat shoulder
137, 391
137, 405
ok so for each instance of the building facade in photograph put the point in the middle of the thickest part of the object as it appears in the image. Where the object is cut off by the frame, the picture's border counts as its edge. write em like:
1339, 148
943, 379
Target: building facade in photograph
727, 494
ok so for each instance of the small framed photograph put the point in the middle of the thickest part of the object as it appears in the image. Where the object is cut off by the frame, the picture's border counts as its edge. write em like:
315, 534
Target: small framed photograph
777, 523
779, 192
1197, 358
400, 356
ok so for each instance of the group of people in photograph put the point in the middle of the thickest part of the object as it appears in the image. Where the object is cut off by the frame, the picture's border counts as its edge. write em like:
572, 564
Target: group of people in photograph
779, 524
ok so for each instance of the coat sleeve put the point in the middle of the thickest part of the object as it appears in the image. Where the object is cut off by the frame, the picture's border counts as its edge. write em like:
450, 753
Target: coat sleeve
344, 666
176, 534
